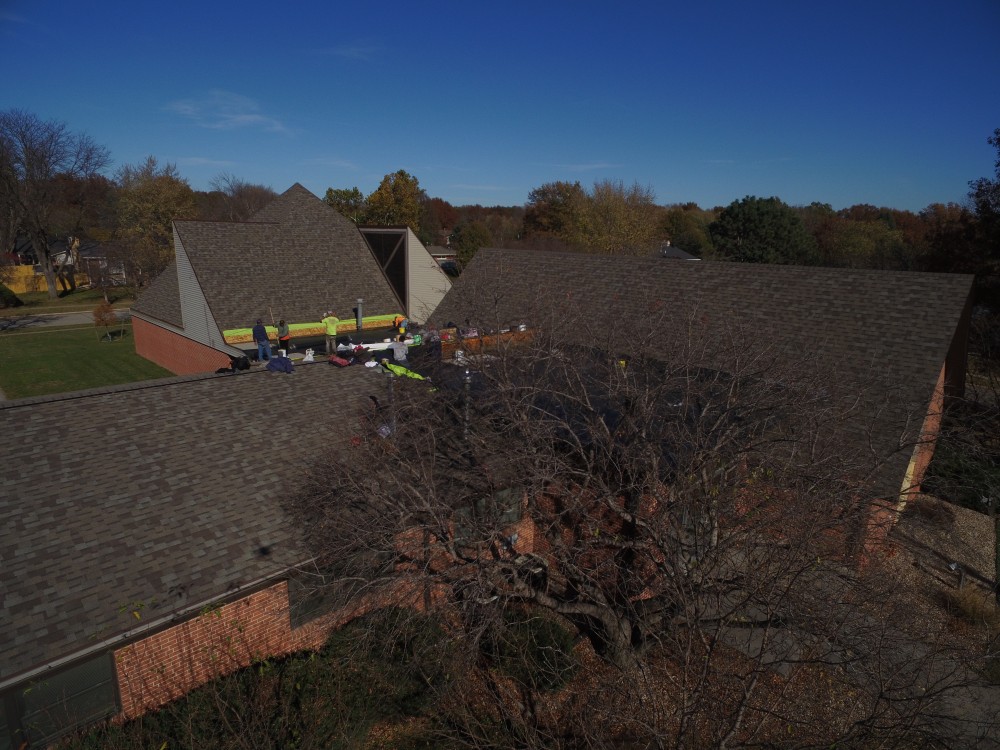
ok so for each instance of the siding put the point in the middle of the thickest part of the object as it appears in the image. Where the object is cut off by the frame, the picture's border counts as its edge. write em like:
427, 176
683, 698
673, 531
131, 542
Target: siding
427, 283
199, 323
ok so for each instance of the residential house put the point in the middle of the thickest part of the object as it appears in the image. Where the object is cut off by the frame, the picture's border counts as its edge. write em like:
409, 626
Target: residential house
893, 341
146, 545
295, 260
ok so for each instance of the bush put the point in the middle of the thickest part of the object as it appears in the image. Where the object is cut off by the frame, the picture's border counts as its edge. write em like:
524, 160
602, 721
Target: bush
381, 668
535, 651
8, 298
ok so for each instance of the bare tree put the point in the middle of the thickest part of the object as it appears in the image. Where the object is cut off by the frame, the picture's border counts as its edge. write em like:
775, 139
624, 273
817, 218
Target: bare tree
242, 199
698, 528
39, 162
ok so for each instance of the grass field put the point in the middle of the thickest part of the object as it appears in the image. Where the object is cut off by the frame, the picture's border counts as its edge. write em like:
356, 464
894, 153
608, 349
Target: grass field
82, 300
42, 361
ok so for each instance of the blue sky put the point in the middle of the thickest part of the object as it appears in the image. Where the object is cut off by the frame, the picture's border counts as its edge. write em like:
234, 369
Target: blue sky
887, 102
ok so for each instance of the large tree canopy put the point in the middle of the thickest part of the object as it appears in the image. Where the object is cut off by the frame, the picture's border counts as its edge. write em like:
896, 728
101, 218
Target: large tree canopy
43, 167
682, 520
622, 220
150, 198
762, 230
558, 209
349, 202
398, 200
611, 219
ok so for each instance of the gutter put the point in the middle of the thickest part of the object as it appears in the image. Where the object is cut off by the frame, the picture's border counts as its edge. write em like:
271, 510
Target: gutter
135, 634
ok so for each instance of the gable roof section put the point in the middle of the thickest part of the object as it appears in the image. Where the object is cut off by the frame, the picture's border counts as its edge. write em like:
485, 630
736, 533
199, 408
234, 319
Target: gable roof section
97, 520
161, 299
884, 334
297, 259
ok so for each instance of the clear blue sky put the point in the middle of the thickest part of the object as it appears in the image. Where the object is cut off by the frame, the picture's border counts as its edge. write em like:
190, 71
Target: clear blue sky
887, 102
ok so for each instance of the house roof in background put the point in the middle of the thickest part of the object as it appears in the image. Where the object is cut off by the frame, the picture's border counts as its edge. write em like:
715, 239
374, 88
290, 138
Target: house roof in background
295, 260
178, 504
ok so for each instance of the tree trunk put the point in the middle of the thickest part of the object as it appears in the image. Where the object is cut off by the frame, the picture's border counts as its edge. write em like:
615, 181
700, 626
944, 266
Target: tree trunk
41, 245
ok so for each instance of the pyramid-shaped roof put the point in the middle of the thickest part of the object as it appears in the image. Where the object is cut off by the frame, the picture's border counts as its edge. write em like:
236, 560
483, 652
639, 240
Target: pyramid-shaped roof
295, 260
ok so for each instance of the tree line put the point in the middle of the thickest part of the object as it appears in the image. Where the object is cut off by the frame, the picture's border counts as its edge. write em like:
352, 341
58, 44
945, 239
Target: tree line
54, 185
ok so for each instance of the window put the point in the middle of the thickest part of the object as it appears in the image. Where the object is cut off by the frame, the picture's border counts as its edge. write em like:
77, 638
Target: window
46, 708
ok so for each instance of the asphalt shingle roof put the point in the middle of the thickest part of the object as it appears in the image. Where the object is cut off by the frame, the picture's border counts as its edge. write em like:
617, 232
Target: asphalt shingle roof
161, 299
163, 493
297, 259
875, 330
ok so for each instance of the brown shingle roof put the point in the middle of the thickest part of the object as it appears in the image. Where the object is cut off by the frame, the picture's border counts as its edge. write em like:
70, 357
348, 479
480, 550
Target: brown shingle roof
161, 299
297, 259
886, 333
163, 493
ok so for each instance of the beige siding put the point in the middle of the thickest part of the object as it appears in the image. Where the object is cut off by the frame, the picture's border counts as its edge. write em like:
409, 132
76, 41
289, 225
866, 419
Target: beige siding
199, 323
426, 282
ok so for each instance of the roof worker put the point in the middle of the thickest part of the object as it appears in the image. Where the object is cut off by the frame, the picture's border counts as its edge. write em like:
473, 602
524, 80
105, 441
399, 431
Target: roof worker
331, 322
401, 323
262, 342
399, 349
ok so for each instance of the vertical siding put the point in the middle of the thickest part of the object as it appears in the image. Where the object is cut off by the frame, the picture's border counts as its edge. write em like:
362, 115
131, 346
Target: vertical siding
426, 282
199, 323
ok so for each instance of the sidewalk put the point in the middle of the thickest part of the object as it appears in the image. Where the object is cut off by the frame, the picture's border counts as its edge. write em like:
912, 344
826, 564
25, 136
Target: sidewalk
41, 319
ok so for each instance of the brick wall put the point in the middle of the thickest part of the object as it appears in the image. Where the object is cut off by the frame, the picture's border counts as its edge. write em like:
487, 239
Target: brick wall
180, 355
221, 639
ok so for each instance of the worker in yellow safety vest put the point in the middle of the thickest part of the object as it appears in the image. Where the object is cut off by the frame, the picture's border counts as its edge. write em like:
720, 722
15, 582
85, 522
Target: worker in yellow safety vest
331, 322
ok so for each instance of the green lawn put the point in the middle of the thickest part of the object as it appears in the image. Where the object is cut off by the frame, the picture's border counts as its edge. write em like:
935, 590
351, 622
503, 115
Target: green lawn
82, 300
41, 361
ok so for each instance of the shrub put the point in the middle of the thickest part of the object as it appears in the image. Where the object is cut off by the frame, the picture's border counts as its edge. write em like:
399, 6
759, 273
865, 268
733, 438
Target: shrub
535, 651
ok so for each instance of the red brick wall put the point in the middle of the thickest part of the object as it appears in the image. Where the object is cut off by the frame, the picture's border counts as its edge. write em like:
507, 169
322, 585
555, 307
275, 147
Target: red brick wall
168, 664
180, 355
222, 639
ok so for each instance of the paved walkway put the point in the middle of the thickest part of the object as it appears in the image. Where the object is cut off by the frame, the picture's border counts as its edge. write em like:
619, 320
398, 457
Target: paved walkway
48, 319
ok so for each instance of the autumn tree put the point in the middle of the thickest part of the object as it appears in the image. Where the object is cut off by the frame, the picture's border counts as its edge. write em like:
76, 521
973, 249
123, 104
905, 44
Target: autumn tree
438, 217
150, 198
762, 230
622, 220
557, 209
686, 227
693, 524
349, 202
43, 168
469, 237
397, 201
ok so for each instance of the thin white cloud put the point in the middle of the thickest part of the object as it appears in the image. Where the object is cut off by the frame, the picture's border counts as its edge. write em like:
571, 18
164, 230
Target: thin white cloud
225, 110
362, 49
